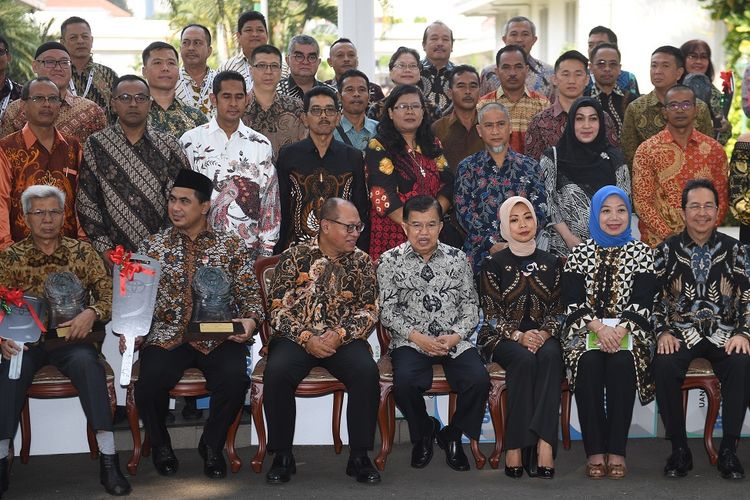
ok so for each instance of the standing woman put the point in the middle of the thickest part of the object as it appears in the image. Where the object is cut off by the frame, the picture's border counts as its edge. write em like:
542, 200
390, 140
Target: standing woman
404, 160
582, 162
739, 185
608, 279
520, 296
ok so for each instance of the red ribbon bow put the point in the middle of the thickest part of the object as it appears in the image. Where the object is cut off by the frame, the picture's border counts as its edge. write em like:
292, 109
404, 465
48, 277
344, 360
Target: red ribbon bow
727, 79
128, 269
14, 297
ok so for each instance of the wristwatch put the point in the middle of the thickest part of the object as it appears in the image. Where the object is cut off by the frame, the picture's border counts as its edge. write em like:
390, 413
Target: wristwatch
517, 335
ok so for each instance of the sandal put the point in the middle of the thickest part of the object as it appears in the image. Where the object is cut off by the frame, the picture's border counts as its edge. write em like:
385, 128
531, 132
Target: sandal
617, 471
595, 471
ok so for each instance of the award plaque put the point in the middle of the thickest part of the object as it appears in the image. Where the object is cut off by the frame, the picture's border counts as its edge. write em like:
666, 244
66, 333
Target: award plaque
66, 298
212, 306
22, 320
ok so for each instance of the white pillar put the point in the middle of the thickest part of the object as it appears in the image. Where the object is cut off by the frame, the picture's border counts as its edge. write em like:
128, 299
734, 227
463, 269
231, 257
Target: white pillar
357, 23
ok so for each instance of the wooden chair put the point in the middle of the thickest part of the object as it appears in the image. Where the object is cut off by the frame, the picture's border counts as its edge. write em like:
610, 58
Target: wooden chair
192, 383
50, 383
319, 382
700, 375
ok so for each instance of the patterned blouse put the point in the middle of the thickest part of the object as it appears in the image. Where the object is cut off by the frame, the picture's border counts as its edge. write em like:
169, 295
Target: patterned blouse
703, 290
311, 293
739, 182
176, 119
281, 123
395, 177
435, 298
482, 186
518, 293
180, 257
521, 112
195, 95
615, 282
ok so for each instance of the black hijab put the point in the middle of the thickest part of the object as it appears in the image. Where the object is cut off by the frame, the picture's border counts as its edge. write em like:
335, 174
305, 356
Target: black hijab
593, 165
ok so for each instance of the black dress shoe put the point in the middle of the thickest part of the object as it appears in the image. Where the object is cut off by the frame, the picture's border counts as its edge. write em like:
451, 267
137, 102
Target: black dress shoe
529, 459
214, 465
729, 465
165, 461
543, 472
514, 472
190, 411
421, 453
454, 453
4, 476
362, 469
282, 468
169, 418
679, 463
111, 476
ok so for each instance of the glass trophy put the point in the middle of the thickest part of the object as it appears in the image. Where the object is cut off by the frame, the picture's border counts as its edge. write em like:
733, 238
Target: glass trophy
23, 327
212, 306
66, 298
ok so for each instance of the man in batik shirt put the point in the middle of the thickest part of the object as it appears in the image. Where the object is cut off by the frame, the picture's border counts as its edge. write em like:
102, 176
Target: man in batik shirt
196, 78
437, 43
10, 90
252, 32
303, 58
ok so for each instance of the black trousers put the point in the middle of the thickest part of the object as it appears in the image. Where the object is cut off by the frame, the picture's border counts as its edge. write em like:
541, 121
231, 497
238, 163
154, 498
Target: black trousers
467, 376
605, 431
226, 378
533, 382
79, 362
289, 363
732, 371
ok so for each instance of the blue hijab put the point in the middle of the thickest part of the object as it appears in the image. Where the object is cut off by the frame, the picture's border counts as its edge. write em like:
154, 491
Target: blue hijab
603, 239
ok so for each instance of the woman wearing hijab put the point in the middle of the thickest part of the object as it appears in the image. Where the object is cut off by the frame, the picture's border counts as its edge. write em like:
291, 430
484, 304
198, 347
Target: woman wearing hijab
608, 289
520, 292
582, 162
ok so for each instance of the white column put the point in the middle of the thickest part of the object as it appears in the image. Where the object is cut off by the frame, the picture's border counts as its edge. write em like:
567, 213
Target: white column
357, 23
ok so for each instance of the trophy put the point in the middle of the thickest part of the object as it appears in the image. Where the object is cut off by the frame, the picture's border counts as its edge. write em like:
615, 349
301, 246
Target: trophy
66, 298
22, 319
212, 306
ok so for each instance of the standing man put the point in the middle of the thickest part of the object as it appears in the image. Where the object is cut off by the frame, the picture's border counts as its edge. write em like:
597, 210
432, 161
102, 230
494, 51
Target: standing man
37, 155
522, 104
625, 79
303, 58
238, 160
78, 116
194, 84
127, 173
10, 91
323, 304
666, 161
437, 43
701, 311
430, 307
276, 116
355, 128
90, 80
252, 32
342, 56
161, 71
318, 168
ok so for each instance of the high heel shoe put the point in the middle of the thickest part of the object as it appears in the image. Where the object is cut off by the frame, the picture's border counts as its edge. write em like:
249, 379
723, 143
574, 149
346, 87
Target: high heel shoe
514, 472
545, 472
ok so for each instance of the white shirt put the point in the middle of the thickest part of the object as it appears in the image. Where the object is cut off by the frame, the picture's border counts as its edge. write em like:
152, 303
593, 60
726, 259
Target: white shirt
241, 65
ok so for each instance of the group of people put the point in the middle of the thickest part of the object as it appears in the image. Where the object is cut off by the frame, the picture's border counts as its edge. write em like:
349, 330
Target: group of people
502, 194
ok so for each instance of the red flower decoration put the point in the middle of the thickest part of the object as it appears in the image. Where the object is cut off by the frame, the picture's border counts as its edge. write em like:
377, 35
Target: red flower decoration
727, 82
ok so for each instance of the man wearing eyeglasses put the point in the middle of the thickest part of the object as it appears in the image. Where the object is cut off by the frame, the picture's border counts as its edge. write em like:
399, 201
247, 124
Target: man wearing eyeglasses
317, 168
245, 198
275, 115
666, 161
322, 307
303, 58
78, 117
194, 84
430, 308
37, 154
10, 90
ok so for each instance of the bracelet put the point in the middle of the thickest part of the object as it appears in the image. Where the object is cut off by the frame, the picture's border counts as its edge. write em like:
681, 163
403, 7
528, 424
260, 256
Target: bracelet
517, 336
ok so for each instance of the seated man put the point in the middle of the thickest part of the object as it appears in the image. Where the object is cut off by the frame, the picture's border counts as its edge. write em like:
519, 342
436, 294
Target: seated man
430, 307
322, 307
181, 249
701, 311
26, 265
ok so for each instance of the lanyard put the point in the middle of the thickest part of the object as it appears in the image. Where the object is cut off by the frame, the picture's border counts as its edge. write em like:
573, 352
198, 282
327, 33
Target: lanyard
72, 86
6, 101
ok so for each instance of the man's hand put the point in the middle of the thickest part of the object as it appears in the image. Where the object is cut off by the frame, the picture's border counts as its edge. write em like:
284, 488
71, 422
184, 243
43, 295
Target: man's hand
498, 247
80, 326
738, 344
249, 325
449, 341
332, 339
428, 344
138, 343
667, 344
318, 347
10, 348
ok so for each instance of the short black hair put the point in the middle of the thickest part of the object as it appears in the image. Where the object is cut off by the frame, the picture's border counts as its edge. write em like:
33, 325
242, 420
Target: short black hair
194, 25
603, 30
27, 86
316, 91
5, 43
672, 51
265, 49
571, 55
129, 78
606, 45
421, 203
227, 76
460, 70
146, 54
350, 73
340, 40
511, 48
440, 23
676, 88
72, 20
251, 15
401, 51
697, 184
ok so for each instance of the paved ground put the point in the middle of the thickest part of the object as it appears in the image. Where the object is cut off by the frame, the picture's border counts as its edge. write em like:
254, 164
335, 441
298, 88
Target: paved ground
320, 474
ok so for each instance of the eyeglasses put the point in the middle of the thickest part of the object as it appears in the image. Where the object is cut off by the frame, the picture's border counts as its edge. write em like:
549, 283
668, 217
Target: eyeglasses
328, 110
420, 226
52, 99
350, 228
697, 207
263, 67
602, 64
674, 106
408, 107
697, 57
128, 98
403, 66
53, 213
299, 57
51, 63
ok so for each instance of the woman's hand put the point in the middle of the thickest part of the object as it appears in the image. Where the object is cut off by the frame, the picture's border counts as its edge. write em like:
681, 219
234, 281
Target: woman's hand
609, 339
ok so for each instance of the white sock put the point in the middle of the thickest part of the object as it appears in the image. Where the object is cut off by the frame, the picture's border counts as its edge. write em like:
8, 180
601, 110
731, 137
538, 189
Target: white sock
106, 442
4, 448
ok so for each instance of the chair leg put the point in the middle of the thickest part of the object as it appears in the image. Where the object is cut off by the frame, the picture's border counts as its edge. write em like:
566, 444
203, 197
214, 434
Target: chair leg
135, 431
451, 406
25, 432
713, 391
479, 457
256, 401
384, 421
338, 405
496, 388
234, 459
685, 393
565, 416
93, 445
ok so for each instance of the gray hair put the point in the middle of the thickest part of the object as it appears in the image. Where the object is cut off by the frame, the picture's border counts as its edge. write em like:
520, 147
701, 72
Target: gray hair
302, 40
519, 19
489, 106
39, 192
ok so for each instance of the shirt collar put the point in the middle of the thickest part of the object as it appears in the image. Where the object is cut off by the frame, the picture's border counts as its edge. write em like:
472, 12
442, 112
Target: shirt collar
242, 130
370, 125
29, 139
409, 252
665, 136
28, 242
501, 92
176, 235
689, 243
557, 108
428, 66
